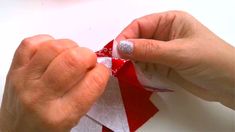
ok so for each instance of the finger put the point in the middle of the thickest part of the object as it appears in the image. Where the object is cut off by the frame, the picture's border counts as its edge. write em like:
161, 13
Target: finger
171, 53
68, 68
191, 87
27, 49
85, 93
157, 26
46, 52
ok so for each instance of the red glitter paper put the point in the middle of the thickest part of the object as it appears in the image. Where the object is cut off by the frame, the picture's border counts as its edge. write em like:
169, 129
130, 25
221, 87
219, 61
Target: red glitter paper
139, 108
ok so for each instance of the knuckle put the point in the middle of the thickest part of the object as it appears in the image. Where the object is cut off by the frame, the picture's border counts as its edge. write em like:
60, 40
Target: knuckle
43, 36
28, 101
180, 15
67, 41
73, 60
178, 12
26, 41
16, 84
26, 44
150, 49
57, 46
52, 121
80, 58
30, 42
86, 57
52, 46
29, 94
136, 21
183, 15
89, 55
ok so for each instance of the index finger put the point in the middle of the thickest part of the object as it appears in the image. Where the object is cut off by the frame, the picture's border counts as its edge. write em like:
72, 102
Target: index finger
154, 26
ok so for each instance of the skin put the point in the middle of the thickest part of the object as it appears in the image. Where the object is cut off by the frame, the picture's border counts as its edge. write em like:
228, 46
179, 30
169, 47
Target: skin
195, 58
51, 84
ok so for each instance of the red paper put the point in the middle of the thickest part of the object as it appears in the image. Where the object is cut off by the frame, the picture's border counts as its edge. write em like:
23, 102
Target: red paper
105, 129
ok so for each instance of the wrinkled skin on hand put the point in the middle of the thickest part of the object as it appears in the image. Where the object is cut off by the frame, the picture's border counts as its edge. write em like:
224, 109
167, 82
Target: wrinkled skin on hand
51, 84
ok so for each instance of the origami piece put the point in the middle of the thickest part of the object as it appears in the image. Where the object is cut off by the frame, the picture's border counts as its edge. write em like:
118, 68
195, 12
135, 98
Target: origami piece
125, 104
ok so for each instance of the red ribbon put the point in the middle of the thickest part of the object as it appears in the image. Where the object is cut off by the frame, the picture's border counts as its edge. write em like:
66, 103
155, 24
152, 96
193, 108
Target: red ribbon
139, 108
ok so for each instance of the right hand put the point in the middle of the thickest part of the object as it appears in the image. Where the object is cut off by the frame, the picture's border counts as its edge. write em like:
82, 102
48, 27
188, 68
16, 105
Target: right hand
196, 58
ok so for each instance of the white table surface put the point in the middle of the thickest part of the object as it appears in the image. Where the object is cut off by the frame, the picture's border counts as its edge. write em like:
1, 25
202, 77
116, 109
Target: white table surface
92, 23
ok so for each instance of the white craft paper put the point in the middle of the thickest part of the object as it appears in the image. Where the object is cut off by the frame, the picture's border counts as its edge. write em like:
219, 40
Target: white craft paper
115, 53
87, 125
107, 61
151, 75
109, 109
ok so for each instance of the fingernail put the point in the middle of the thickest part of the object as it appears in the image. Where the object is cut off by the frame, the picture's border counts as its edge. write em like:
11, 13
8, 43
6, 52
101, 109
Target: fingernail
125, 47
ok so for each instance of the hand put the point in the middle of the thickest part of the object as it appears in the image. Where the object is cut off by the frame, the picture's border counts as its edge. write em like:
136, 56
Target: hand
50, 85
195, 58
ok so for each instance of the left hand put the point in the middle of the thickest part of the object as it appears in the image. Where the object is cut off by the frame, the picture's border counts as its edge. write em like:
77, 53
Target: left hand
51, 84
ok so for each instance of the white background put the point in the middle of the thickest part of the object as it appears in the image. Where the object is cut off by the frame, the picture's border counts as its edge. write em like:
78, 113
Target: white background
92, 23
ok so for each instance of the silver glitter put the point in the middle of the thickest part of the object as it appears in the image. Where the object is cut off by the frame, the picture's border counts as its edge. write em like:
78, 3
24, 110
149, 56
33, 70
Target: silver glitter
125, 47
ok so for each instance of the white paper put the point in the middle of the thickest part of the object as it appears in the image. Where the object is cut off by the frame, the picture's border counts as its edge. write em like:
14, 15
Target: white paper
107, 61
109, 109
87, 125
151, 76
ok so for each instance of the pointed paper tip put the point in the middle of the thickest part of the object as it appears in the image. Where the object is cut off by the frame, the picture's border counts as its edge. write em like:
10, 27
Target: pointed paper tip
115, 53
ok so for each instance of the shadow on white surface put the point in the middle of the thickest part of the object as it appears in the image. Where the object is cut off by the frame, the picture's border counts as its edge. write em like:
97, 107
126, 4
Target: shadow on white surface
179, 112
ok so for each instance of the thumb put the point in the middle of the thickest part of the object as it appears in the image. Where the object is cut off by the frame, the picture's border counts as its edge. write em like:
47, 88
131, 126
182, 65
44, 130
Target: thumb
169, 53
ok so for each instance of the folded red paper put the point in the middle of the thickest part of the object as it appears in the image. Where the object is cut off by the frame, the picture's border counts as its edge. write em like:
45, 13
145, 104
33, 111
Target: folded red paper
139, 108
